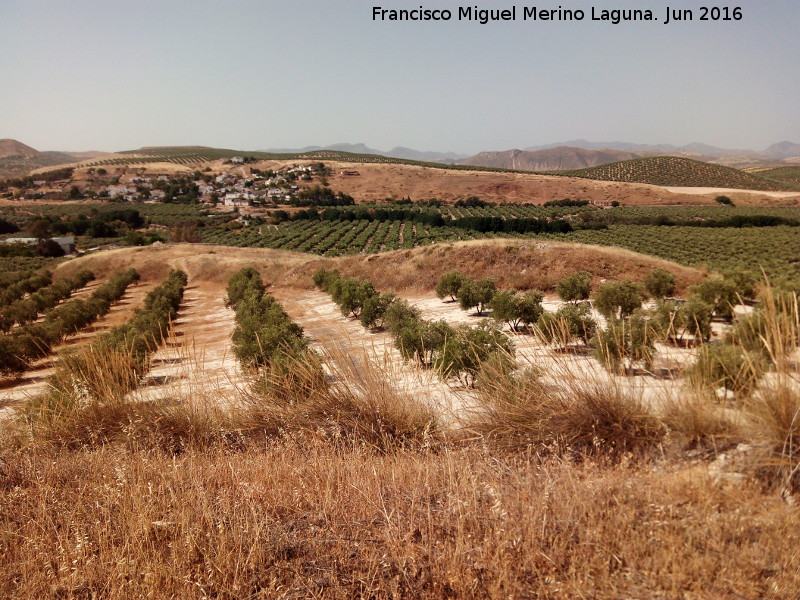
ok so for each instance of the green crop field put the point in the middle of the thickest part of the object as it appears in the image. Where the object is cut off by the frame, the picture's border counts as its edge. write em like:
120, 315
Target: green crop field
776, 250
720, 237
676, 171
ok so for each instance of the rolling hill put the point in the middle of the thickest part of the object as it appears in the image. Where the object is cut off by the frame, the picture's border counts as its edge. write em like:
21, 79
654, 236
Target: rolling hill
18, 159
675, 171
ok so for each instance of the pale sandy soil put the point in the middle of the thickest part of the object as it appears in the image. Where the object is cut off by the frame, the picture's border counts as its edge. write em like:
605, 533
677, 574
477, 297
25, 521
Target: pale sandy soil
196, 362
742, 196
703, 191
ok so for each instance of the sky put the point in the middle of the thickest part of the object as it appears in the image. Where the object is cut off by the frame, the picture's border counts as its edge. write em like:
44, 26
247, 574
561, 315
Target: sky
255, 74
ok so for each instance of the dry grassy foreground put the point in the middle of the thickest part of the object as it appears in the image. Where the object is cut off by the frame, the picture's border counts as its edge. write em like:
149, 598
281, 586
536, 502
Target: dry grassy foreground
293, 520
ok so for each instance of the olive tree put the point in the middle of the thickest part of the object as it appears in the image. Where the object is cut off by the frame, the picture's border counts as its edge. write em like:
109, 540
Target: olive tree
449, 284
660, 283
465, 350
569, 323
515, 309
720, 293
476, 294
626, 342
618, 299
576, 287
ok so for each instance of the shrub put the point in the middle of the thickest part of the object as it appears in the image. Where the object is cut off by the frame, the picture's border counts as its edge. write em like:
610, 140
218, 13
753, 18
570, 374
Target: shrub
324, 278
674, 320
728, 366
466, 348
744, 283
625, 343
245, 280
350, 294
449, 284
576, 287
399, 315
660, 283
374, 310
721, 294
618, 299
568, 323
476, 294
264, 333
517, 310
422, 340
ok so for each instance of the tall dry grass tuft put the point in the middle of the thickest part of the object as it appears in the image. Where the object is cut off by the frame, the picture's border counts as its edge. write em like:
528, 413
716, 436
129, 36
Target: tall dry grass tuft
774, 408
90, 402
700, 422
352, 404
590, 416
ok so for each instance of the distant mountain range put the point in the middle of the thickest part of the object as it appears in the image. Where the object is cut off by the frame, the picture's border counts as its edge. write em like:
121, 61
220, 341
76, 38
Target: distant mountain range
574, 154
554, 159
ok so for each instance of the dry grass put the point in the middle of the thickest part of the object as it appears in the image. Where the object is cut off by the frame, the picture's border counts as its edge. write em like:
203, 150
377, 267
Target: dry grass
576, 416
513, 263
306, 520
700, 422
380, 181
352, 405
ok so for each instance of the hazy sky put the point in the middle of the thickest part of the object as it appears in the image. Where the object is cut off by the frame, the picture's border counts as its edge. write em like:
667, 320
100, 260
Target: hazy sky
252, 74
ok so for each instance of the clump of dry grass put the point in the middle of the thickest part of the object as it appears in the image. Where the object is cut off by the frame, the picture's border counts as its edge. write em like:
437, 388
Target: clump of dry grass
90, 402
700, 422
352, 404
575, 415
774, 408
775, 425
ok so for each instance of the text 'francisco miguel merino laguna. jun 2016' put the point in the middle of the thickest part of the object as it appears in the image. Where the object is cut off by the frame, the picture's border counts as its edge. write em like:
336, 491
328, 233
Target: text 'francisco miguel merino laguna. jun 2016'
615, 16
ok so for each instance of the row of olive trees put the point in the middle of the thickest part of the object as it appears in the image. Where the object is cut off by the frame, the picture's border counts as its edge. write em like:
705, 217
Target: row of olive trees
35, 340
27, 309
143, 333
450, 351
264, 332
629, 337
26, 285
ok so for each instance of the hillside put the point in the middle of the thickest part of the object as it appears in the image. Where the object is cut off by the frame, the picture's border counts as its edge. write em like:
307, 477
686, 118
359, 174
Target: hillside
529, 265
788, 176
18, 159
783, 150
377, 181
349, 468
10, 147
675, 171
554, 159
